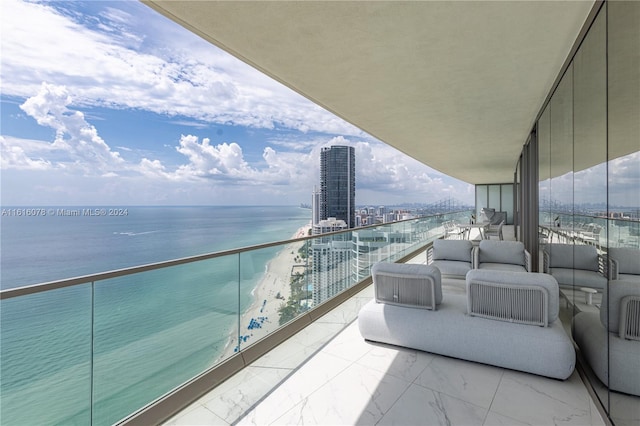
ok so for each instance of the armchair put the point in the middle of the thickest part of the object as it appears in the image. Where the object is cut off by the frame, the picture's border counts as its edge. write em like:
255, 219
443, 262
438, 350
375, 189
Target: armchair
624, 264
452, 257
502, 256
494, 231
578, 265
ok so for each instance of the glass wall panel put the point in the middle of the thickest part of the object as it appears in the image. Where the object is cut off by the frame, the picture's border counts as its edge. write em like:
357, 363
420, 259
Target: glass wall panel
507, 201
45, 358
155, 330
561, 153
590, 194
545, 218
590, 135
623, 49
482, 198
498, 197
494, 197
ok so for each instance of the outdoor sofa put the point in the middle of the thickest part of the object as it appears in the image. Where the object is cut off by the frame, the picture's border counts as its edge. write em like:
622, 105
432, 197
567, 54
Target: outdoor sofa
507, 319
610, 340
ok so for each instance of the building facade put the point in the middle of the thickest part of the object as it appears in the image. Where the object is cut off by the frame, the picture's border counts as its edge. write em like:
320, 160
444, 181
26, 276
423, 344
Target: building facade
338, 184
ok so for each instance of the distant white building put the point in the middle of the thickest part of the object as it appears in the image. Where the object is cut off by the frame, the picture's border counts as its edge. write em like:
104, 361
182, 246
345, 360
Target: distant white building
329, 225
331, 268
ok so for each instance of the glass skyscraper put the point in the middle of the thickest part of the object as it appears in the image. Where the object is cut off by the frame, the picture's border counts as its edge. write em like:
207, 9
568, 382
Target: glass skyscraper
338, 184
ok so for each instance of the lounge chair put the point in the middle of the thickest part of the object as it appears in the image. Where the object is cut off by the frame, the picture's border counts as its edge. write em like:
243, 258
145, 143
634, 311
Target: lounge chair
451, 229
502, 256
494, 231
575, 265
454, 258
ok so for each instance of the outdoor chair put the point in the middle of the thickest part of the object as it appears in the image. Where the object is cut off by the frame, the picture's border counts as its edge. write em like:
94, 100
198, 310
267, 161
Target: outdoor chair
494, 231
610, 340
590, 234
624, 264
451, 229
453, 258
502, 256
575, 265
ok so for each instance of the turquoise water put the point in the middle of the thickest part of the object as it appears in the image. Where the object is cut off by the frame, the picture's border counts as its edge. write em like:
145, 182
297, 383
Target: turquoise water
93, 354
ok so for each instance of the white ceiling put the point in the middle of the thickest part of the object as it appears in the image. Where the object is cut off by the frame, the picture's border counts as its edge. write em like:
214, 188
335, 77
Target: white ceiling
455, 84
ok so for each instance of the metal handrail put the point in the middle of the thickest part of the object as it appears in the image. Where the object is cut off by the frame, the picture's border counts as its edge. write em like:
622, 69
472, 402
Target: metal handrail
70, 282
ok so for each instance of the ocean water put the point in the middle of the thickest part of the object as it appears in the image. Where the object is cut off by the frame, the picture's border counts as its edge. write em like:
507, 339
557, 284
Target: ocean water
93, 354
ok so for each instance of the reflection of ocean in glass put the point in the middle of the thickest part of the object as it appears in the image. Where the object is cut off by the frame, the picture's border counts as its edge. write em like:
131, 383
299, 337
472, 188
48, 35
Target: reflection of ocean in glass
152, 331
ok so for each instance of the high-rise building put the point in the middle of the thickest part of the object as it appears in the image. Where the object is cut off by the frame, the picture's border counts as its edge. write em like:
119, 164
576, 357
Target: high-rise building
315, 206
338, 184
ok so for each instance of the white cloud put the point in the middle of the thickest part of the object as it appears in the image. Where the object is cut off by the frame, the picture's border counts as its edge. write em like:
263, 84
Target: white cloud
119, 59
111, 69
13, 156
624, 180
74, 135
78, 150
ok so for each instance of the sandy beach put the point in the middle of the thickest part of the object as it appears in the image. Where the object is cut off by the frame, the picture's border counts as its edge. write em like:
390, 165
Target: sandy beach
262, 316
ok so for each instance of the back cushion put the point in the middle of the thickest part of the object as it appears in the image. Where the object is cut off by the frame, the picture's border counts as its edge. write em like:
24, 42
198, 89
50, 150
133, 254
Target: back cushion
571, 256
459, 250
511, 252
628, 260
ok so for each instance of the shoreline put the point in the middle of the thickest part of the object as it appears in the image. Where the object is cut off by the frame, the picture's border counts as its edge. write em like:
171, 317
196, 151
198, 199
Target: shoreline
271, 291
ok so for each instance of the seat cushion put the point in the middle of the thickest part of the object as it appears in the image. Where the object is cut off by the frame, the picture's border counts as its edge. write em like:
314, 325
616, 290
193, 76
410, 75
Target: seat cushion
578, 278
502, 267
452, 267
629, 277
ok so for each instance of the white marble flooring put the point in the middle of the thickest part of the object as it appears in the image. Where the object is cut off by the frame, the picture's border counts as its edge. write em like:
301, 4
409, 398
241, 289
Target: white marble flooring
328, 375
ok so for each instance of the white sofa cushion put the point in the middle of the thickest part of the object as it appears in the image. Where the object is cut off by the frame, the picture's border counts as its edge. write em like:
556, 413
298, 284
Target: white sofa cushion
459, 250
578, 278
504, 252
570, 256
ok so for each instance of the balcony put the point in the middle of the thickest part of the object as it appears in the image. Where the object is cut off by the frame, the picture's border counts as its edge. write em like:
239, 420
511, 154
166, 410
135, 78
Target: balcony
94, 349
327, 374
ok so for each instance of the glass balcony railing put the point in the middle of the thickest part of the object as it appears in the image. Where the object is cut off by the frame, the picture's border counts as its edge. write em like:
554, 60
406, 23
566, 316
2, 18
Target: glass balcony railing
94, 349
587, 229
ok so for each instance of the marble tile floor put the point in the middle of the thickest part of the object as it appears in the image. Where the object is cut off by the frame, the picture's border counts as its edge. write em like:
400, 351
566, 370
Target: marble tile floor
328, 375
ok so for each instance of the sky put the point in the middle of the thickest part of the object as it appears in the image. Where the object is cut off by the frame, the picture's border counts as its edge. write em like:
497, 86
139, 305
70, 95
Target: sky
110, 103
